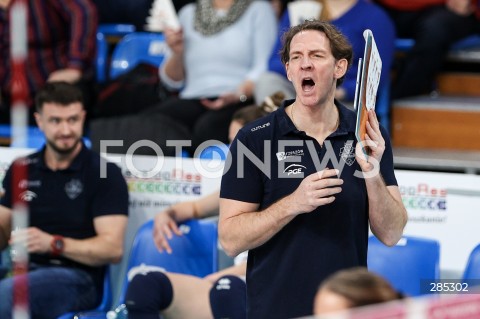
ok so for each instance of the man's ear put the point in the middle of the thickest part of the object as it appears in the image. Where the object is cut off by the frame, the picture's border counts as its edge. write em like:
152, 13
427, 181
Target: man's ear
287, 65
38, 120
340, 68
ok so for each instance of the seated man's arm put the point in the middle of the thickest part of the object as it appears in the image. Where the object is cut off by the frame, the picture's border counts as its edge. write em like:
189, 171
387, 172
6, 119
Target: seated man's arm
106, 247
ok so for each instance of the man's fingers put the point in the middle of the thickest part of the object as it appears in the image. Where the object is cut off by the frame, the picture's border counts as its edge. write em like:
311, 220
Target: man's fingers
326, 173
175, 229
167, 232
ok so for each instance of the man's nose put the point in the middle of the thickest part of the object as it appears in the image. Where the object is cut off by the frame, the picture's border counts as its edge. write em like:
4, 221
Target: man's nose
65, 127
306, 62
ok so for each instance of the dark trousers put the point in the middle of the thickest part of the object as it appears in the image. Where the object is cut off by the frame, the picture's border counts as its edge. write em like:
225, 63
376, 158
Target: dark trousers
204, 124
434, 30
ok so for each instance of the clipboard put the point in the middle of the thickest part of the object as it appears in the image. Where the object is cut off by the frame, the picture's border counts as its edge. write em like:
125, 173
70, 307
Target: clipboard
368, 79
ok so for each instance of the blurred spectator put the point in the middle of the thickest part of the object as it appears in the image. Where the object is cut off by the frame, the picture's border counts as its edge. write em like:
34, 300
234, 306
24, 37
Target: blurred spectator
61, 47
214, 60
129, 11
136, 11
353, 287
352, 17
279, 6
77, 218
434, 25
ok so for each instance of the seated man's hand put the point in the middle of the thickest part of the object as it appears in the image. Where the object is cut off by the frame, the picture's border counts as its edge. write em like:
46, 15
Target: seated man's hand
34, 239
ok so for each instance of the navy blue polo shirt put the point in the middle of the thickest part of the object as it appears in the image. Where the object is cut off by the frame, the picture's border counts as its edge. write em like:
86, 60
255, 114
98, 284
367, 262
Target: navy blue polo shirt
65, 202
284, 273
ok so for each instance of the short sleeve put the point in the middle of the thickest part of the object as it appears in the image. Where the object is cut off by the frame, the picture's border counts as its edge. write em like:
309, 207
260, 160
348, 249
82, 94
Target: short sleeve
112, 193
242, 179
6, 199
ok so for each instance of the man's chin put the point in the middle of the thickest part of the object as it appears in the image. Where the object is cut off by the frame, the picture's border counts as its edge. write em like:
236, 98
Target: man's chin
64, 149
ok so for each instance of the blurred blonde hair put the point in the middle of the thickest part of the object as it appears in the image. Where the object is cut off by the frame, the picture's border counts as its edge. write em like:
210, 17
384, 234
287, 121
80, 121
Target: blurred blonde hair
252, 112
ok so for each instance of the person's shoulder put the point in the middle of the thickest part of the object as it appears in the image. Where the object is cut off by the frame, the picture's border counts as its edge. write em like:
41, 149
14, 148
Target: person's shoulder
187, 10
28, 159
259, 129
96, 162
348, 115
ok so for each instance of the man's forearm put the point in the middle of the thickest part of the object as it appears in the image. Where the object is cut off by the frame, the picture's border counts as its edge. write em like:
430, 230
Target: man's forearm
249, 230
174, 68
387, 214
95, 251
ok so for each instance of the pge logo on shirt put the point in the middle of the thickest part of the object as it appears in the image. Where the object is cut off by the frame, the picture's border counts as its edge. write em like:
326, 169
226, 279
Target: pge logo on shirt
294, 169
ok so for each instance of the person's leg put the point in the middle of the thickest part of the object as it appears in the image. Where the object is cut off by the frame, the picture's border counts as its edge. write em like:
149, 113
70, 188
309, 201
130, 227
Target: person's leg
228, 298
53, 291
183, 111
172, 295
190, 298
435, 31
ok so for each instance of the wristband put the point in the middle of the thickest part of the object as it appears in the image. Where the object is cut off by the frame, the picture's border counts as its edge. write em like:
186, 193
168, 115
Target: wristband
57, 244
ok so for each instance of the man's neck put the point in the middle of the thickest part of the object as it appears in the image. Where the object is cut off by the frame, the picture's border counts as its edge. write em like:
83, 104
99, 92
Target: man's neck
222, 4
318, 122
58, 161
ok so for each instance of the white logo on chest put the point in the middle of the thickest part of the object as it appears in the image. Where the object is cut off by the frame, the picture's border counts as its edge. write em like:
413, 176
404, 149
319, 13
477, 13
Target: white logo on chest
73, 188
294, 169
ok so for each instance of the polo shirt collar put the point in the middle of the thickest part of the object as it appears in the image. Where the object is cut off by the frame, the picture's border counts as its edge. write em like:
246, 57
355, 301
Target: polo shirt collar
347, 120
74, 166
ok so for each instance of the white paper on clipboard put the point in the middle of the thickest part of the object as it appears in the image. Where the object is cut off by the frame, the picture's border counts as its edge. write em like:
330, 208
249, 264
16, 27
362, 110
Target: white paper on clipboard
374, 70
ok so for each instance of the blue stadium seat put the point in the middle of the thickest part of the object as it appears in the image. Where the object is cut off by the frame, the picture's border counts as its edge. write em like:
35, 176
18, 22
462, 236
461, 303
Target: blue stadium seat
103, 32
472, 269
406, 264
194, 253
404, 45
106, 301
137, 47
101, 58
116, 29
472, 41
